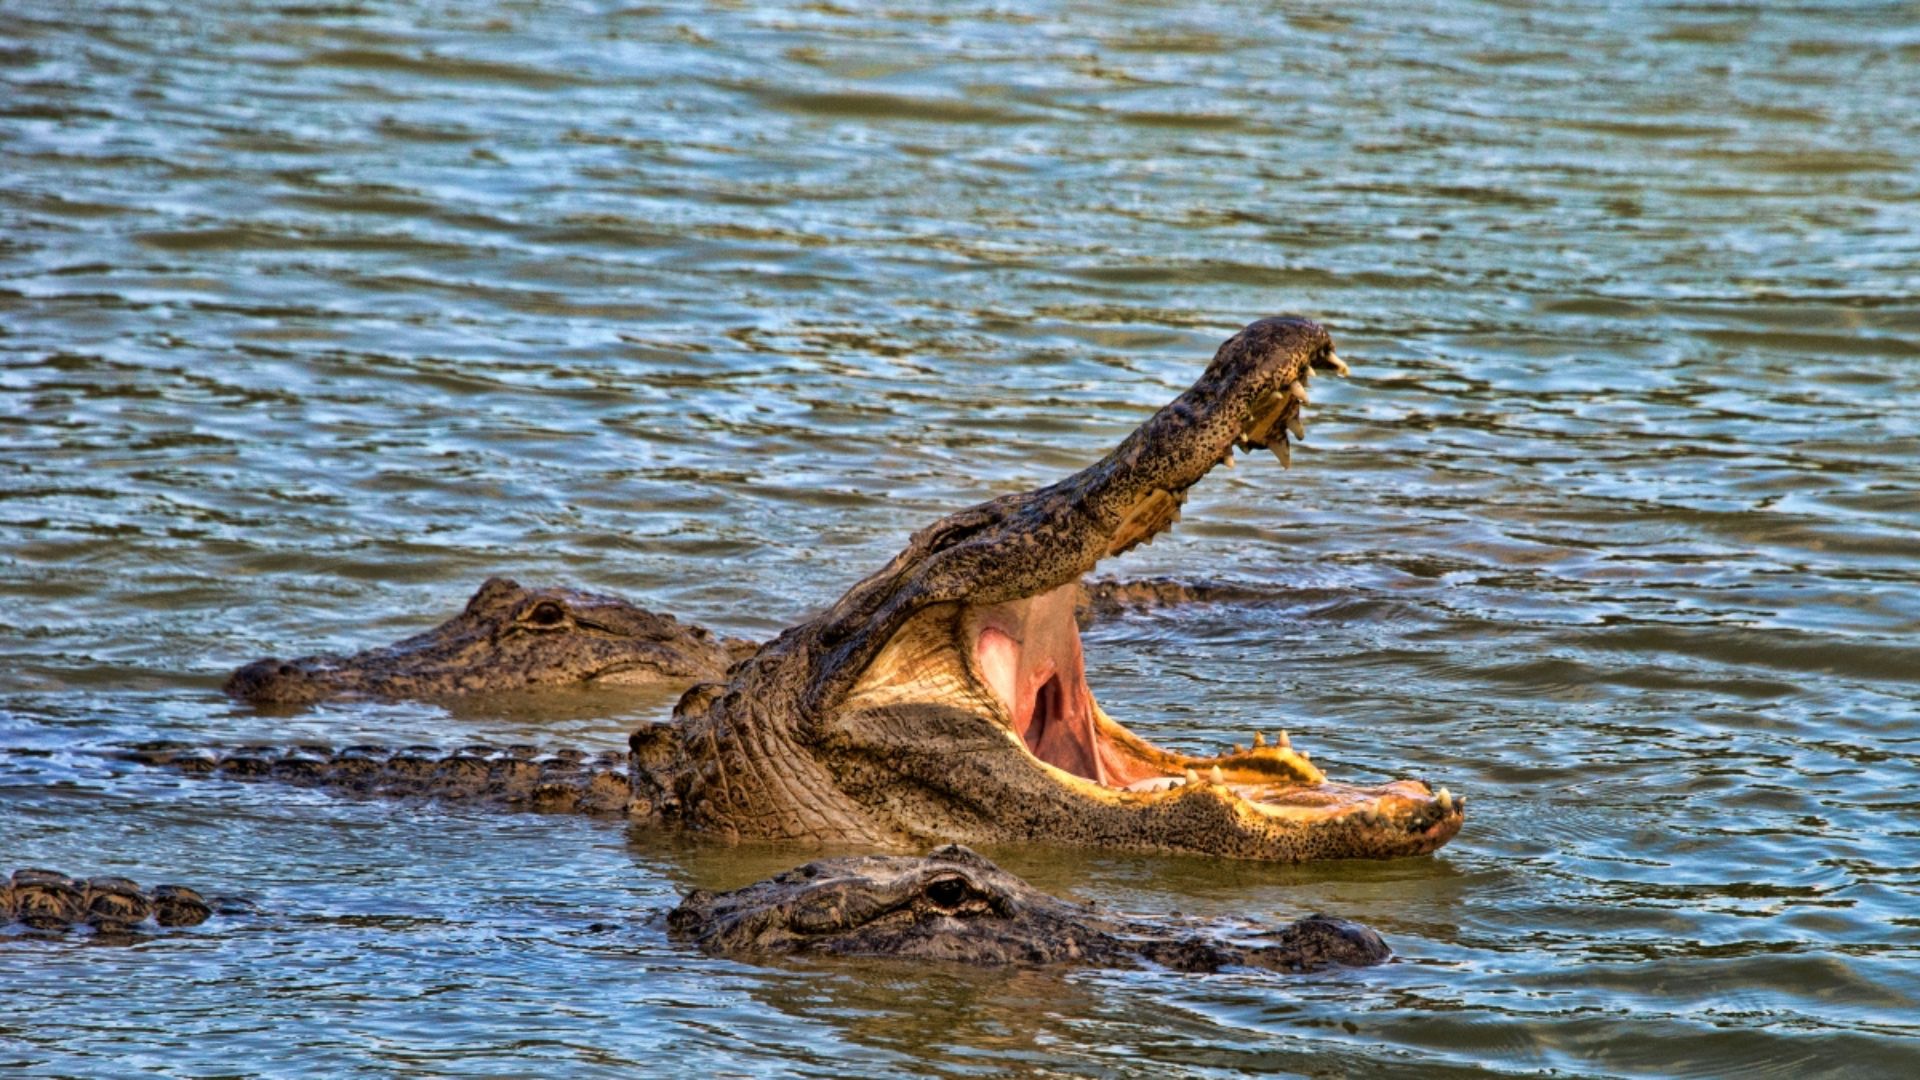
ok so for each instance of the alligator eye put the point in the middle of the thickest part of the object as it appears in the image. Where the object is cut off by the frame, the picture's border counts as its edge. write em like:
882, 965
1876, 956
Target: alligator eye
948, 893
545, 613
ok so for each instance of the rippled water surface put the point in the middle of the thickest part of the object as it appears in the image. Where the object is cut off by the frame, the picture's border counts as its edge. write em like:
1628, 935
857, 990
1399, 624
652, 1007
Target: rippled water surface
313, 316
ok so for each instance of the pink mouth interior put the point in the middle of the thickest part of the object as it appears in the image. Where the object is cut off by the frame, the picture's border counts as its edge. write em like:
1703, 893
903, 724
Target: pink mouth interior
1028, 652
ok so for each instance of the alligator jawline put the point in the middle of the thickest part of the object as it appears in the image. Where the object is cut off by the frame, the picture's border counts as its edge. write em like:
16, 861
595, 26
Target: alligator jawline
1027, 660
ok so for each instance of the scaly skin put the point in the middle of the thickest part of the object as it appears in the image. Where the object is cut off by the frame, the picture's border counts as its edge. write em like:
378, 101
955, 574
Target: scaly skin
954, 906
508, 638
941, 699
1101, 600
49, 900
519, 777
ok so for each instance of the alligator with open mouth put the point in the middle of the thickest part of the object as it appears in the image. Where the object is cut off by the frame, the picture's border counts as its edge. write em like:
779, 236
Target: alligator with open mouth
950, 905
944, 698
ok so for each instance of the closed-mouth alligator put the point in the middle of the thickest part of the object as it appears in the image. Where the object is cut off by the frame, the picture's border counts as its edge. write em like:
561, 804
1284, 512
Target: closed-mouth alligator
510, 637
950, 905
954, 905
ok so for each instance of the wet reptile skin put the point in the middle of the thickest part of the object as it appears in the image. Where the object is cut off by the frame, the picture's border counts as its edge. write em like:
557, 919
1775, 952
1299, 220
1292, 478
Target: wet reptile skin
519, 777
48, 900
954, 905
950, 905
509, 637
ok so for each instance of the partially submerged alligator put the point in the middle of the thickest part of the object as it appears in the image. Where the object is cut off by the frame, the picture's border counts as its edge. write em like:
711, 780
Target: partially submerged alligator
944, 698
49, 900
950, 905
521, 777
954, 905
509, 637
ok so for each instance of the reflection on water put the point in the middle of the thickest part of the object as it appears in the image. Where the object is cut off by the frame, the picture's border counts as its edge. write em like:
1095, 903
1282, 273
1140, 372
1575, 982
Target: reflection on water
311, 317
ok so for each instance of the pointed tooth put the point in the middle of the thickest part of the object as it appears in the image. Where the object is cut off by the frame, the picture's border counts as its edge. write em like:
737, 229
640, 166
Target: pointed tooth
1296, 427
1238, 749
1460, 803
1338, 365
1299, 391
1192, 777
1228, 460
1216, 776
1259, 739
1282, 452
1445, 799
1283, 740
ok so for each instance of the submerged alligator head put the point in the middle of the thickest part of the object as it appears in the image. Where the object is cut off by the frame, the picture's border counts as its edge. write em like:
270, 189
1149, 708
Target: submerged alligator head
508, 638
944, 697
954, 905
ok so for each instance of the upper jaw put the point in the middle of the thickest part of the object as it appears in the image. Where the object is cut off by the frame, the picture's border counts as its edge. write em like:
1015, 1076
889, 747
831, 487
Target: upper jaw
1023, 545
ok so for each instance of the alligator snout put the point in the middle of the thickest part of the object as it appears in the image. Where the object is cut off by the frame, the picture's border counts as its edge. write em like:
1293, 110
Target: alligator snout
275, 681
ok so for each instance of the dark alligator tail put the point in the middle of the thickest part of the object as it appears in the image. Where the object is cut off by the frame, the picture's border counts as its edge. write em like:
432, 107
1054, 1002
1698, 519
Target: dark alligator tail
563, 781
50, 900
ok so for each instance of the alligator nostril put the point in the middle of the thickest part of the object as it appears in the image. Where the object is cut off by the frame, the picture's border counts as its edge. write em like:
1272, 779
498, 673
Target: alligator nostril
289, 669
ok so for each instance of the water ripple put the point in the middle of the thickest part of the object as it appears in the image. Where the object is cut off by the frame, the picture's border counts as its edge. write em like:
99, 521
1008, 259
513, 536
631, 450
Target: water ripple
314, 315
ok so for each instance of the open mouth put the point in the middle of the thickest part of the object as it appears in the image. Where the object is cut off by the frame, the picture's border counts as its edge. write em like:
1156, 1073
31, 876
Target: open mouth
1028, 653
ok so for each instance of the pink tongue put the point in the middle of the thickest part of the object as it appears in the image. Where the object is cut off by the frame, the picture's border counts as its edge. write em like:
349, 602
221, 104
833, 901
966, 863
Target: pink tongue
1045, 688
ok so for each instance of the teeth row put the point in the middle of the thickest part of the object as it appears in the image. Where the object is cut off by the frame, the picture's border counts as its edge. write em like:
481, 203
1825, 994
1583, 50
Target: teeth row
1444, 805
1154, 513
1276, 410
1281, 741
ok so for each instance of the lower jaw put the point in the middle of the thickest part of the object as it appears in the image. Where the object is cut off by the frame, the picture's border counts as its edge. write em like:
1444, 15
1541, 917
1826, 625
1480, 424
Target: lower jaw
1270, 802
1264, 800
1230, 820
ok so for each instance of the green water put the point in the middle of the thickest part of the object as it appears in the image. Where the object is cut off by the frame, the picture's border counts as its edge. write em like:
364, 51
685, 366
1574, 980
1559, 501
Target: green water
313, 316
